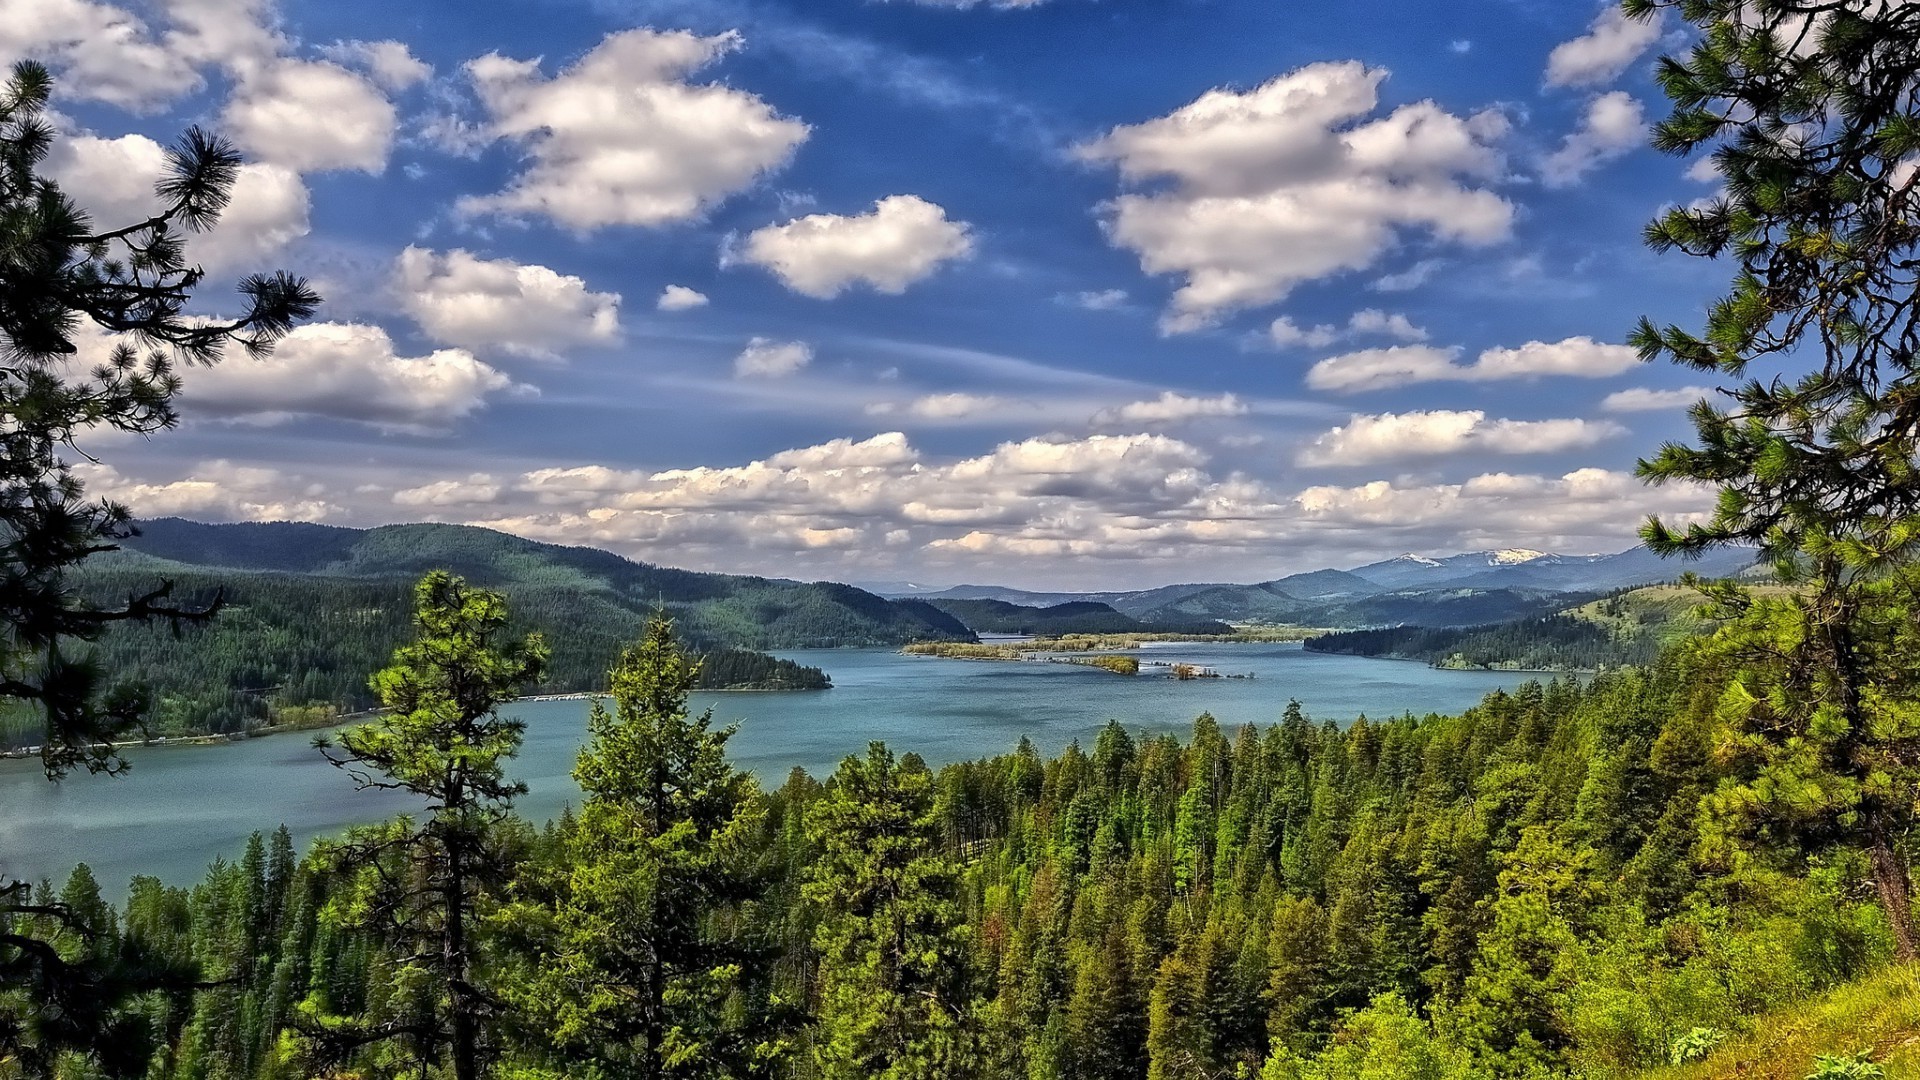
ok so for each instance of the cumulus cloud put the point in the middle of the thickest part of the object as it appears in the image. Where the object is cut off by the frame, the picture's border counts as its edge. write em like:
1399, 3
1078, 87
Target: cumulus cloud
345, 371
113, 179
621, 138
1286, 334
103, 52
1613, 125
1642, 399
1291, 182
1604, 51
1110, 497
461, 299
1171, 408
764, 358
1371, 439
680, 298
390, 63
1498, 508
215, 491
477, 488
1400, 365
310, 115
902, 240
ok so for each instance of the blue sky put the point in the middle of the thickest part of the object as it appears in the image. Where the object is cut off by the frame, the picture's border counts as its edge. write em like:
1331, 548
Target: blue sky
1067, 293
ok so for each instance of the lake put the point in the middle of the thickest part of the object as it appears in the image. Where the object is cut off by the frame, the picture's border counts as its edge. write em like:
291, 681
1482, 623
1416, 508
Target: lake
181, 807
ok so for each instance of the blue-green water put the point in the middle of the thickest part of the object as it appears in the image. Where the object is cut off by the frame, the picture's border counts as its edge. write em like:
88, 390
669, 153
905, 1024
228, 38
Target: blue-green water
181, 807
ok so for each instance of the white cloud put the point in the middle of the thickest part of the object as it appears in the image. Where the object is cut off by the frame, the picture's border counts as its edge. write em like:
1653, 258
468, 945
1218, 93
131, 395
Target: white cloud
680, 298
1642, 399
215, 491
1502, 508
461, 299
1286, 334
1604, 51
902, 240
1375, 321
620, 138
345, 371
1614, 125
104, 53
391, 63
1290, 183
768, 359
113, 179
1409, 279
1171, 408
477, 488
949, 406
1368, 322
310, 115
1400, 365
1371, 439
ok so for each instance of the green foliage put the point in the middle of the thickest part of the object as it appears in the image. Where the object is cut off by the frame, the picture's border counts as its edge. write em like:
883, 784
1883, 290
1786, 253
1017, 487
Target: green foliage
1809, 110
892, 1000
636, 958
1855, 1066
70, 986
418, 890
1696, 1044
1553, 642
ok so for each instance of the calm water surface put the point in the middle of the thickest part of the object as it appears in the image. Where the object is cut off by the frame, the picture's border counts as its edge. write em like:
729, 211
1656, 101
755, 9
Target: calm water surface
181, 807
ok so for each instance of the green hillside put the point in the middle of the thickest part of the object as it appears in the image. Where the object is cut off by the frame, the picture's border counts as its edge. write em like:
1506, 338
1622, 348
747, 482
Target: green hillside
310, 611
1077, 617
1630, 627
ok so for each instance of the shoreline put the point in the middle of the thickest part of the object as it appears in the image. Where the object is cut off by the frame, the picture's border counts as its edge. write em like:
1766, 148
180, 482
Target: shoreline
215, 738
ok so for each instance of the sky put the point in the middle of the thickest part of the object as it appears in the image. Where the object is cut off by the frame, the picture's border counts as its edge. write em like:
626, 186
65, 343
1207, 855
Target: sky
1052, 293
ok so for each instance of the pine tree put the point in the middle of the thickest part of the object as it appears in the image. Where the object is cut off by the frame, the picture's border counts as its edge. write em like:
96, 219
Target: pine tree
643, 964
420, 887
62, 276
893, 1001
1811, 110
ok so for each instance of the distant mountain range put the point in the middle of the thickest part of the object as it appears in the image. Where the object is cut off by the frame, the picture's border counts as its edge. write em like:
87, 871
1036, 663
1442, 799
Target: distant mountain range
1458, 590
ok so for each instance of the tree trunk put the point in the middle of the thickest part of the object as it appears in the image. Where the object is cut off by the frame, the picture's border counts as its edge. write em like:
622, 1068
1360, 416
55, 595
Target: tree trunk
466, 1055
1896, 890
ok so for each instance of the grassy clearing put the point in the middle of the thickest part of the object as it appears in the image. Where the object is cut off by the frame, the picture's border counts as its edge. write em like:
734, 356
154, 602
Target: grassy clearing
1881, 1014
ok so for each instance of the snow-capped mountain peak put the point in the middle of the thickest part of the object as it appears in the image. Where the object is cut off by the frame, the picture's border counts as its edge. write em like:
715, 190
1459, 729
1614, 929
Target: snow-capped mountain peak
1417, 560
1513, 556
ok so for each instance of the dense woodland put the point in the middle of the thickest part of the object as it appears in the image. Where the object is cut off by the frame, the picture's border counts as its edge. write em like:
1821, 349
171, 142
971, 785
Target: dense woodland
1549, 643
1074, 617
1583, 878
1533, 888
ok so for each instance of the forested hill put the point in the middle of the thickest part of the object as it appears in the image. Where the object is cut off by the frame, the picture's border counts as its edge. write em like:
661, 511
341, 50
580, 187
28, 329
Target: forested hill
1629, 627
312, 610
1074, 617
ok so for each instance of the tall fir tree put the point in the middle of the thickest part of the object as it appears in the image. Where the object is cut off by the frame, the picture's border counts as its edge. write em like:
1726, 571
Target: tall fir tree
893, 996
420, 888
644, 958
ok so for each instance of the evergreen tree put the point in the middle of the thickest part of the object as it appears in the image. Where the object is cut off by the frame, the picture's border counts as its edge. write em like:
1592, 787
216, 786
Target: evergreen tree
643, 963
1811, 110
63, 279
893, 1001
419, 888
